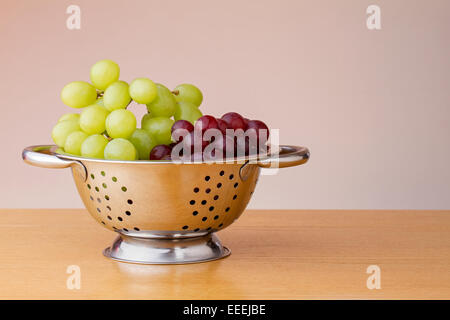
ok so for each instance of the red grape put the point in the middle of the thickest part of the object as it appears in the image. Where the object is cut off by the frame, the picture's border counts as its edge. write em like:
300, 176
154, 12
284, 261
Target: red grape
181, 124
161, 152
222, 126
234, 121
258, 127
190, 140
206, 122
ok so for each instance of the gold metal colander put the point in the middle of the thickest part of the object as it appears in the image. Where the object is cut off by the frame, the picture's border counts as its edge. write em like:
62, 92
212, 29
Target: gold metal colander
164, 212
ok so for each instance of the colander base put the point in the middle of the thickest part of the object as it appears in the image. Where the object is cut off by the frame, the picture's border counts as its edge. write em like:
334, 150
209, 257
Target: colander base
166, 251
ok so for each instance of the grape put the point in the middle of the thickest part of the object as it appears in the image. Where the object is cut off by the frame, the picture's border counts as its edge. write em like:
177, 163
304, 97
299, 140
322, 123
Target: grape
116, 96
103, 73
179, 125
120, 149
258, 127
92, 119
160, 129
120, 123
69, 116
100, 102
206, 122
74, 141
187, 111
78, 94
222, 126
161, 152
94, 146
145, 118
62, 130
234, 120
189, 93
143, 143
143, 90
192, 140
225, 144
164, 104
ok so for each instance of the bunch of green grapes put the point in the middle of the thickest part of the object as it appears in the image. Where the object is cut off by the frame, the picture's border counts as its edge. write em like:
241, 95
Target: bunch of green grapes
105, 129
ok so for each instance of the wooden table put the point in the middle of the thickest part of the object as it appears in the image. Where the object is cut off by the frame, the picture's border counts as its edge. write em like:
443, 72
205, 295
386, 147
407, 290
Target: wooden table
275, 255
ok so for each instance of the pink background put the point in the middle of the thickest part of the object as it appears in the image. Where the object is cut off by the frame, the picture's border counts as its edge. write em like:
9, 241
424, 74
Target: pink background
372, 106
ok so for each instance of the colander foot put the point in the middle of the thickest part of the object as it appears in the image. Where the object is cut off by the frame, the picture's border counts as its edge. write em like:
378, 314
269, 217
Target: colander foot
166, 251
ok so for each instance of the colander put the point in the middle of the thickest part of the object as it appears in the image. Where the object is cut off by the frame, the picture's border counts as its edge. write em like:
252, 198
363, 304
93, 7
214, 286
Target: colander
164, 212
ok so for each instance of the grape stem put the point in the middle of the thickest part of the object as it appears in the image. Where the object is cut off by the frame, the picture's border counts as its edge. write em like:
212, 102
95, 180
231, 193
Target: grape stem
176, 92
99, 94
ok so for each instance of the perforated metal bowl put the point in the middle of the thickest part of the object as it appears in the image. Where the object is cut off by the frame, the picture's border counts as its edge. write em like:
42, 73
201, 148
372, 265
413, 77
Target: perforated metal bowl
164, 212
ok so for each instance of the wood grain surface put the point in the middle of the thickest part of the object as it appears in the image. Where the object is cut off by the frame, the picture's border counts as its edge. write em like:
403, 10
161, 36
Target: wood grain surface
275, 255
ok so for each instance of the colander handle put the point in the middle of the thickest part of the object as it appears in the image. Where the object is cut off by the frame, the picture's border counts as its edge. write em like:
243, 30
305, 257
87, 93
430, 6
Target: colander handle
42, 156
288, 156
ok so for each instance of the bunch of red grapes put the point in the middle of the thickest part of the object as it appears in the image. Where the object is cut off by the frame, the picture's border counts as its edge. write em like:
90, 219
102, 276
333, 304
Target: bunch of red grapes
183, 133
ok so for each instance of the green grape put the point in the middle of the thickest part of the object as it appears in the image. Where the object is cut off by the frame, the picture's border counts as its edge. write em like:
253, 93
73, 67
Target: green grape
120, 123
116, 96
143, 143
74, 141
103, 73
60, 151
145, 118
100, 102
164, 104
94, 146
188, 92
187, 111
92, 119
62, 130
120, 149
159, 128
143, 90
78, 94
70, 116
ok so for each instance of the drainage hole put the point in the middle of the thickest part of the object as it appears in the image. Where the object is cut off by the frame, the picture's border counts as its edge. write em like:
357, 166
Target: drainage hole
222, 173
211, 208
216, 217
227, 209
216, 197
136, 228
203, 202
192, 202
185, 227
204, 218
119, 218
195, 213
130, 201
128, 213
207, 178
196, 189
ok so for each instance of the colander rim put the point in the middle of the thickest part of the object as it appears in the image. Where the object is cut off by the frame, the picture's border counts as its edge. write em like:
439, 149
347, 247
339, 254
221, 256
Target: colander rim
238, 160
